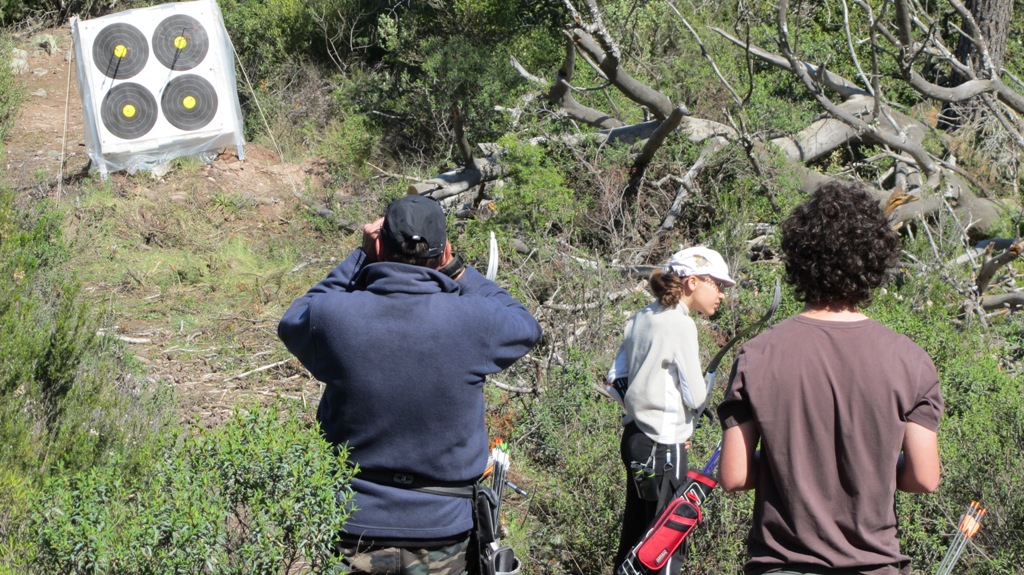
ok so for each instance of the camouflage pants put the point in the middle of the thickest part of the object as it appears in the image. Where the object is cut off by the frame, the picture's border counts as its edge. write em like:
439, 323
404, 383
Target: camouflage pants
450, 560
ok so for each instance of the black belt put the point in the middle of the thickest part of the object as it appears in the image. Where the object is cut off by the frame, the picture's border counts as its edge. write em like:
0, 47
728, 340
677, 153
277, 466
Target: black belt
412, 482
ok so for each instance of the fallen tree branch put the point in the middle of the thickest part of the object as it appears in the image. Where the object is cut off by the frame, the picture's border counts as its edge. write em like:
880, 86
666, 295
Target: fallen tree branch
659, 104
991, 265
560, 93
704, 52
973, 86
258, 369
643, 159
898, 141
838, 84
512, 389
1012, 300
614, 296
461, 180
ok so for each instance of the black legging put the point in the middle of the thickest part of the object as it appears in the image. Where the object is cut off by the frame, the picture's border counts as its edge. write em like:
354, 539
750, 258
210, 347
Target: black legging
639, 513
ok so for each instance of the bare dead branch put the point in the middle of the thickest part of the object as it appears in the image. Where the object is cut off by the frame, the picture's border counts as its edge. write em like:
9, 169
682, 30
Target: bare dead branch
981, 247
608, 298
460, 136
991, 265
657, 139
850, 47
840, 85
598, 29
526, 73
970, 303
659, 104
685, 189
258, 369
997, 111
973, 86
1012, 300
560, 94
462, 179
915, 149
977, 37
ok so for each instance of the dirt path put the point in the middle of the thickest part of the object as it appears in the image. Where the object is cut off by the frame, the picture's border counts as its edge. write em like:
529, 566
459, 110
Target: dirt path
34, 149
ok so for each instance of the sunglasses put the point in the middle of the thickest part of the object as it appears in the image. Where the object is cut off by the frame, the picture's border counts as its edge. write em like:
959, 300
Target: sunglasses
712, 281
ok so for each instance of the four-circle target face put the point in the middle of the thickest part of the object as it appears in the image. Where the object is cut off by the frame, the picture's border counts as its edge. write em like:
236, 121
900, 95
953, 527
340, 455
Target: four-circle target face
180, 42
189, 102
120, 51
129, 111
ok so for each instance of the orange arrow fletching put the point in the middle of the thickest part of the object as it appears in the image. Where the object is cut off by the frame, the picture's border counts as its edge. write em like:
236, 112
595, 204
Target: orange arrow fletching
970, 524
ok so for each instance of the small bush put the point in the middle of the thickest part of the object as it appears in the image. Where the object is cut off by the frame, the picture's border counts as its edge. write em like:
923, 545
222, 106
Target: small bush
572, 438
11, 93
535, 198
69, 399
263, 493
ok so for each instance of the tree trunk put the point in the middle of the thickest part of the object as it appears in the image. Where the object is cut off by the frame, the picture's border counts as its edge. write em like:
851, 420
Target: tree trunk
993, 17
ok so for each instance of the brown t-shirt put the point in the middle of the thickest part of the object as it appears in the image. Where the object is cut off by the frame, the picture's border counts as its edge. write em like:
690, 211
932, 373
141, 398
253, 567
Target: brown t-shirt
831, 400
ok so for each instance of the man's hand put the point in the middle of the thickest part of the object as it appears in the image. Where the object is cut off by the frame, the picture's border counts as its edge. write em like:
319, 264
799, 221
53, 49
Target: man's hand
455, 272
371, 240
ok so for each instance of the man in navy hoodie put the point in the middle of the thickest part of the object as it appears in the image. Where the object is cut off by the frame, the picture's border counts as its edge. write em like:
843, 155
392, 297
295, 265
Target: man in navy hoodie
402, 334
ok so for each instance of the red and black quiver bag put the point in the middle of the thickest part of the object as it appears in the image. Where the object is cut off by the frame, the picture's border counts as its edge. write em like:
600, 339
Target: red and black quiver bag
671, 528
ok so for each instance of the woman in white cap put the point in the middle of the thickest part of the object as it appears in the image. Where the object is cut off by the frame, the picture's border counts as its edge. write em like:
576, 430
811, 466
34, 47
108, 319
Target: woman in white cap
659, 379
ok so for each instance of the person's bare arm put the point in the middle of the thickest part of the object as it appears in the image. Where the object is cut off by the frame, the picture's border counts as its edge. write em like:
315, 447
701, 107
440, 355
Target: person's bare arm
918, 470
736, 469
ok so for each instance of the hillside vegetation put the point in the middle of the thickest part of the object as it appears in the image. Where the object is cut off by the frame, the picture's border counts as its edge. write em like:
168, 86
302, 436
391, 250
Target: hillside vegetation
153, 423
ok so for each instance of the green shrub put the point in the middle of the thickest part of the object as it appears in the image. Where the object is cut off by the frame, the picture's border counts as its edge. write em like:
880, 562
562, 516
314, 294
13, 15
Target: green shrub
534, 199
347, 145
11, 93
263, 493
268, 35
981, 430
67, 395
57, 12
69, 399
571, 440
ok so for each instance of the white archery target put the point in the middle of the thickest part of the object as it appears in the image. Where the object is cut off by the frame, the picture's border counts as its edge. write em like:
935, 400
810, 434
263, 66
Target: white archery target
156, 83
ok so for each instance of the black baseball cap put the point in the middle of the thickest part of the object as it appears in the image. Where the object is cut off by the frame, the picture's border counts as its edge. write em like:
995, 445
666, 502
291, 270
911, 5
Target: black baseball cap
416, 219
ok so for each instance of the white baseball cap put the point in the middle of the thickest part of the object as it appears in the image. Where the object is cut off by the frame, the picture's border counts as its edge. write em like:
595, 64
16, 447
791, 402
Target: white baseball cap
700, 261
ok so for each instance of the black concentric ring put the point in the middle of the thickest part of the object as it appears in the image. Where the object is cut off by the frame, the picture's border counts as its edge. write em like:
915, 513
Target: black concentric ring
120, 51
180, 42
129, 111
189, 102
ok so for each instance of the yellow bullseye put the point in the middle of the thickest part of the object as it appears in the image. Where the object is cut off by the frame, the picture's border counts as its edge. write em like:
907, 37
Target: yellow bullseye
189, 102
180, 42
128, 111
120, 51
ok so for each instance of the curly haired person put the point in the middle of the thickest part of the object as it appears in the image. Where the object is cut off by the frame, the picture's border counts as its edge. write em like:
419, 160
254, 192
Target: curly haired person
845, 410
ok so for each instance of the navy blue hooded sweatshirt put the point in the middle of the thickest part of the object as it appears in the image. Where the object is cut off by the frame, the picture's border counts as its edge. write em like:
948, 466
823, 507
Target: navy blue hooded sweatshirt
403, 352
